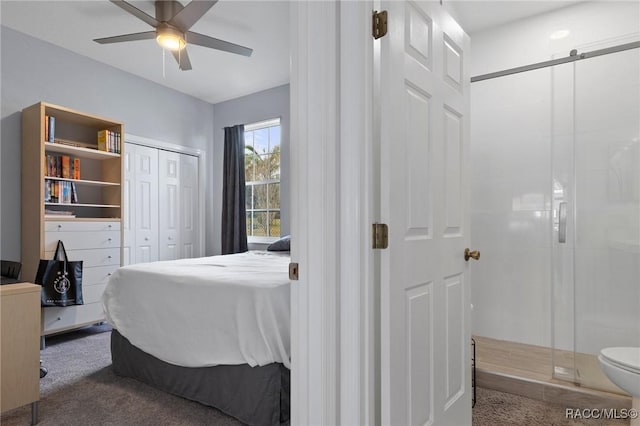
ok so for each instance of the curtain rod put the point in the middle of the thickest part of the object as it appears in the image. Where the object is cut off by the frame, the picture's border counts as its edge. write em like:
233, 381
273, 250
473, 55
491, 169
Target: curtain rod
573, 56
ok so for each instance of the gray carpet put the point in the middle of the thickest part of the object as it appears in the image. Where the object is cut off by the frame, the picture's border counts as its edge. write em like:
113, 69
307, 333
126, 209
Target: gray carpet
495, 408
81, 389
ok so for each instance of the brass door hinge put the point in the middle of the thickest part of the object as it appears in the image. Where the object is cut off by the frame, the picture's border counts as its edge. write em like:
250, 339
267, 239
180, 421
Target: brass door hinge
293, 271
380, 236
379, 24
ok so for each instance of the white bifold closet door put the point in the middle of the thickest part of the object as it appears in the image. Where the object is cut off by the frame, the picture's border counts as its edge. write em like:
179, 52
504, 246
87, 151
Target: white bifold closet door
141, 204
169, 180
161, 193
189, 199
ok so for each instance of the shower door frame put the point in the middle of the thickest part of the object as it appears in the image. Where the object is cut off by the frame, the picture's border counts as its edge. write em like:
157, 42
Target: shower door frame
565, 360
567, 371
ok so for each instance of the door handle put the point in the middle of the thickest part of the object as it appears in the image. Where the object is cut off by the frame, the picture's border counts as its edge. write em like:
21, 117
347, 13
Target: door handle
471, 254
562, 222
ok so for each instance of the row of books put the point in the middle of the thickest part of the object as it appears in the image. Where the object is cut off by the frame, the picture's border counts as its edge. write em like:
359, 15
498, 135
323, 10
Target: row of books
49, 128
109, 141
60, 192
63, 166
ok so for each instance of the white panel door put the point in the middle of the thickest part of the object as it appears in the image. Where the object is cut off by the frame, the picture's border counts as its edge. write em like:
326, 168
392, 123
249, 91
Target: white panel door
169, 200
146, 204
425, 297
189, 200
128, 249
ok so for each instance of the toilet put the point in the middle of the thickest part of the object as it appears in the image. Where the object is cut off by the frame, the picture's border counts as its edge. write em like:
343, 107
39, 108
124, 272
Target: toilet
622, 366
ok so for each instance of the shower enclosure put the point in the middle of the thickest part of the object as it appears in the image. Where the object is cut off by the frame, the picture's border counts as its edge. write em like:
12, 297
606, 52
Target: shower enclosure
595, 157
555, 209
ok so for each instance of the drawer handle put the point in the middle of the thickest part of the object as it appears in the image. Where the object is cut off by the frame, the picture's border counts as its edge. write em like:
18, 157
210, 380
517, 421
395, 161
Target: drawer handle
146, 238
109, 240
109, 226
59, 226
58, 319
109, 274
108, 257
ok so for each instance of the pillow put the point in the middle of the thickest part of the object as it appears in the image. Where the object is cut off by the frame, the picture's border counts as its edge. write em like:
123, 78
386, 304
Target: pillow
282, 244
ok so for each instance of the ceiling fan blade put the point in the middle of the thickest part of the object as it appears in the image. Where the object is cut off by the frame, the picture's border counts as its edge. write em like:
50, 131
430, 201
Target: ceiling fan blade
214, 43
136, 12
182, 58
147, 35
190, 14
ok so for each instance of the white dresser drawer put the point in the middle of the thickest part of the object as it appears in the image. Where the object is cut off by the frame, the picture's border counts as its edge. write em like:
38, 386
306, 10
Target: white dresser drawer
81, 240
76, 226
97, 274
68, 317
92, 293
91, 258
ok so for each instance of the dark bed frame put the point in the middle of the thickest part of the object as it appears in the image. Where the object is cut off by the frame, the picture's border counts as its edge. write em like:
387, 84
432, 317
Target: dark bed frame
254, 395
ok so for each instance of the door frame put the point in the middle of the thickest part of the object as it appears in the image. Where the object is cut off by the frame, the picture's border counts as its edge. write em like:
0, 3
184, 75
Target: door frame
333, 308
202, 173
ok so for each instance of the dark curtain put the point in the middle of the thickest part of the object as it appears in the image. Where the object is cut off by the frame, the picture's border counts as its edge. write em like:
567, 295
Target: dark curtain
234, 216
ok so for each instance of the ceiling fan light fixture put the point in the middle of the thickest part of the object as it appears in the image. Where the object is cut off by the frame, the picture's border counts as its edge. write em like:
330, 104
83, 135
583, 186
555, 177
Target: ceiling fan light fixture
170, 38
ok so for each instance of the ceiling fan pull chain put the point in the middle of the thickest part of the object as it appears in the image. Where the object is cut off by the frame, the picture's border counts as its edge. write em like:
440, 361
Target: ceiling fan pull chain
163, 61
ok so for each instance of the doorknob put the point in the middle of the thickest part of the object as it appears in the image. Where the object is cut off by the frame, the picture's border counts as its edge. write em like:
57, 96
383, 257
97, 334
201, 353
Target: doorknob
475, 254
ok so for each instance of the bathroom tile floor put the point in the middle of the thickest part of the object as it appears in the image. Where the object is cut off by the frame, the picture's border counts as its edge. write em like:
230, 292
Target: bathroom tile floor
526, 370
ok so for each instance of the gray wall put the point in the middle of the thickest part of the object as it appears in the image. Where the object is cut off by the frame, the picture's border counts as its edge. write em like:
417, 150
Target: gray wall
259, 106
33, 70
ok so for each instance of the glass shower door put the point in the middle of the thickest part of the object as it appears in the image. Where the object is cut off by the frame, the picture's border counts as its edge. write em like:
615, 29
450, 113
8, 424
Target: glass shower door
596, 202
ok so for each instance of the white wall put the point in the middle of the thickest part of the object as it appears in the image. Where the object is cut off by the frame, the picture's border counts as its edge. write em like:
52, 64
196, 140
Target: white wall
512, 126
34, 70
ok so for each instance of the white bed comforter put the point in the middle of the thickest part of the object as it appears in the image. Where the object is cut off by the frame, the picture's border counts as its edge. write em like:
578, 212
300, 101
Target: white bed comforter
232, 309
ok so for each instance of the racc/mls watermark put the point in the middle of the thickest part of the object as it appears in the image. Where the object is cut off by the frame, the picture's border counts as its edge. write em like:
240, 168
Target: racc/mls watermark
601, 413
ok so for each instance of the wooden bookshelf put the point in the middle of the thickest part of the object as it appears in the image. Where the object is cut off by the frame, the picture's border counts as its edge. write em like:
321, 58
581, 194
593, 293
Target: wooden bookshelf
78, 151
98, 209
74, 205
83, 181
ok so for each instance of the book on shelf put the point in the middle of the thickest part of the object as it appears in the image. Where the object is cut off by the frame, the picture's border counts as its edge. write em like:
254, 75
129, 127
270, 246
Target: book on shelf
61, 192
74, 193
103, 140
109, 141
66, 166
62, 166
49, 128
76, 168
48, 213
76, 144
47, 192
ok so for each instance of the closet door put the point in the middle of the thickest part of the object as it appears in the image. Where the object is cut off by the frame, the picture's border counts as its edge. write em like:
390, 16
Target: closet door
161, 211
146, 204
189, 200
128, 212
169, 199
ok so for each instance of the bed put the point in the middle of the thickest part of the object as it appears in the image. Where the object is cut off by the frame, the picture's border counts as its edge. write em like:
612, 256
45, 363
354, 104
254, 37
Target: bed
214, 330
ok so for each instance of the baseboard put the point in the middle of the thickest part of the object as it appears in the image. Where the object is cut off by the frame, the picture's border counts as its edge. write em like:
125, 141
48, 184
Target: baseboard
570, 395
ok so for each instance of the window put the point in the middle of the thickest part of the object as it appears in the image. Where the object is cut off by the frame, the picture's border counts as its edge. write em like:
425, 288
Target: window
262, 176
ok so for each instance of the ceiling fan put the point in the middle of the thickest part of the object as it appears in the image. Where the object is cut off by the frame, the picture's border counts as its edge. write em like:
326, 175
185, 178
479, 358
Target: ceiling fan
172, 23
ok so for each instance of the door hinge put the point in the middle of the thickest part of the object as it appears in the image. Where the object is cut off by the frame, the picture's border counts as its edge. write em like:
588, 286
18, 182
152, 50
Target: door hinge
293, 271
379, 24
380, 235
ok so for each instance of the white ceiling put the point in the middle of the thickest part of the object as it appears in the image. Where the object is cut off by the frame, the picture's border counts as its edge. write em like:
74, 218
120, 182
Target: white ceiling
478, 15
216, 76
